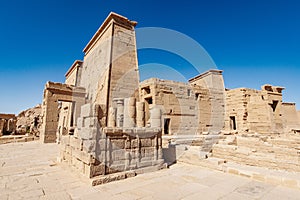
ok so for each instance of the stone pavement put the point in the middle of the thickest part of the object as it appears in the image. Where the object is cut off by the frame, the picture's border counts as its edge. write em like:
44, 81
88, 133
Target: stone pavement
29, 171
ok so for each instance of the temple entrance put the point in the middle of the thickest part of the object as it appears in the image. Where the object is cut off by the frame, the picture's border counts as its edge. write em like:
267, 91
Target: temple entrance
53, 94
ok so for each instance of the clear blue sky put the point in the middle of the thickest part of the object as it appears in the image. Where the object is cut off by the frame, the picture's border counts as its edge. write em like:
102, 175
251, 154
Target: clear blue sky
254, 42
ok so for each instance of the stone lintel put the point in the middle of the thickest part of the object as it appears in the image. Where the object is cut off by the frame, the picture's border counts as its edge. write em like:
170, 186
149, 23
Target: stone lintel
60, 88
7, 116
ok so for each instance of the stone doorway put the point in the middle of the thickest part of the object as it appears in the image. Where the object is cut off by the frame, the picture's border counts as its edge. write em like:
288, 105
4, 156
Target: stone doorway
232, 123
167, 122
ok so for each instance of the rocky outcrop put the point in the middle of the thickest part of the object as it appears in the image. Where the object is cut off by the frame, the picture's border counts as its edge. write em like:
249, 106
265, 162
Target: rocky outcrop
30, 120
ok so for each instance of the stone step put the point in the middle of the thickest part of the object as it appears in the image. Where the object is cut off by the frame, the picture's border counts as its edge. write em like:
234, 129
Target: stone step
276, 177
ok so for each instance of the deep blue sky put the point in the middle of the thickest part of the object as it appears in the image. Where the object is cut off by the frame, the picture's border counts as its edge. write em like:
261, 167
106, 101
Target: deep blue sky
254, 42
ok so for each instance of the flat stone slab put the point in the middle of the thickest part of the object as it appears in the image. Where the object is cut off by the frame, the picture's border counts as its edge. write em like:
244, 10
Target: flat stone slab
29, 171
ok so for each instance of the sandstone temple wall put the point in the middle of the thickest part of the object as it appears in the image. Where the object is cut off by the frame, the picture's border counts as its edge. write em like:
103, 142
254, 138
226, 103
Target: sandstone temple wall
182, 105
254, 110
110, 136
290, 117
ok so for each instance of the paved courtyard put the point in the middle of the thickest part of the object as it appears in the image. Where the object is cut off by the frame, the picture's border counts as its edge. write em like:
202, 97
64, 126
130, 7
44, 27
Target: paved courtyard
29, 171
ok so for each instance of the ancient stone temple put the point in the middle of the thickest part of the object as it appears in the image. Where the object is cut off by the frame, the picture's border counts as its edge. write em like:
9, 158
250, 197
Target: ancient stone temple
110, 126
261, 111
97, 116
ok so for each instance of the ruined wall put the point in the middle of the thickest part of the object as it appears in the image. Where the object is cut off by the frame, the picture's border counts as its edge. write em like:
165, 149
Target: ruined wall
254, 111
178, 102
7, 124
290, 117
275, 152
212, 80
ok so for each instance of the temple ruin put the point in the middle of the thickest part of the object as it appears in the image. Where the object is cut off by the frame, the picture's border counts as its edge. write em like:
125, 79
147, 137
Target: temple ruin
111, 126
7, 124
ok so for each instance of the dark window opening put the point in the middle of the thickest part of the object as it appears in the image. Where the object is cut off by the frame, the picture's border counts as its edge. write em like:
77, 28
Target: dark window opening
189, 92
147, 90
232, 123
149, 100
274, 105
196, 96
167, 126
35, 121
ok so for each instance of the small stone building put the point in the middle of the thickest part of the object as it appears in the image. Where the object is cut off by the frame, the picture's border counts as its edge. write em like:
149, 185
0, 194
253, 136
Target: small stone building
261, 111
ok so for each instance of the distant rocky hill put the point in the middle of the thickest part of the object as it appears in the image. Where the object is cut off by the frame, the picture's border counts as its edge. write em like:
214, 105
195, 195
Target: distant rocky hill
29, 121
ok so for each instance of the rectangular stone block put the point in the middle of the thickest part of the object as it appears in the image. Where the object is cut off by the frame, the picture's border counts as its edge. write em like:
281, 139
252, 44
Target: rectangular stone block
89, 146
146, 142
134, 143
91, 122
76, 143
89, 110
88, 133
102, 144
80, 122
118, 154
118, 144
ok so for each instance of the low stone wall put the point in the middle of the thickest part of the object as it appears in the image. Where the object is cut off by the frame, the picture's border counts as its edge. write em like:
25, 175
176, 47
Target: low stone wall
16, 138
274, 152
116, 150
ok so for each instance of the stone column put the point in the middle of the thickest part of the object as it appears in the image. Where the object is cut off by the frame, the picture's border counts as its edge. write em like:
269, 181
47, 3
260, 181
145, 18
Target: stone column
140, 114
10, 125
111, 117
1, 126
155, 117
129, 112
120, 112
50, 118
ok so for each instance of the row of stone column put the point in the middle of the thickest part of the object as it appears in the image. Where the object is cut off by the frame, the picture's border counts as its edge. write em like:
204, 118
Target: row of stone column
129, 113
7, 125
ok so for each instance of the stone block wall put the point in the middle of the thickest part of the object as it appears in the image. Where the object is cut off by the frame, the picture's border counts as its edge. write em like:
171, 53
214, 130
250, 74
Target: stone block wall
290, 117
213, 82
274, 152
254, 110
176, 101
97, 151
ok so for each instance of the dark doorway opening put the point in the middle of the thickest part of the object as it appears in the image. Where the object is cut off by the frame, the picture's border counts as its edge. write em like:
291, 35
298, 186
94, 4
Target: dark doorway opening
167, 126
232, 123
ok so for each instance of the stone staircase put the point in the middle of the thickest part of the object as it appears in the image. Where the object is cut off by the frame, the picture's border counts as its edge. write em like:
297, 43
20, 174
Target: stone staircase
273, 152
270, 159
